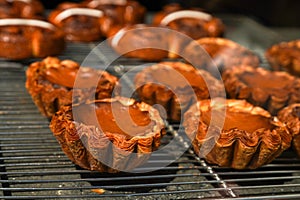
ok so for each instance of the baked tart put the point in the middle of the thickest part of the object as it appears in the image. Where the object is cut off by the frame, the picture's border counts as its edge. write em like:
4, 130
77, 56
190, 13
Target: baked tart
53, 83
108, 135
291, 116
175, 86
285, 56
261, 87
223, 53
249, 138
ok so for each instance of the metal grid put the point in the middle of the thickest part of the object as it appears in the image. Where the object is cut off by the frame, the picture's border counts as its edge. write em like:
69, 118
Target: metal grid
32, 165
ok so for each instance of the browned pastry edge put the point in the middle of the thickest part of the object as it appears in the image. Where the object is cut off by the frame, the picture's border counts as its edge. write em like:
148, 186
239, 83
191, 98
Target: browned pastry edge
285, 56
236, 148
273, 102
84, 144
48, 97
175, 104
292, 121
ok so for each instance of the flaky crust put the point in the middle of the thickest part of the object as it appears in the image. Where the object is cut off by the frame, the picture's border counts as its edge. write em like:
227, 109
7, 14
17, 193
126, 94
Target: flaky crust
290, 115
272, 99
175, 100
236, 148
222, 53
48, 96
87, 145
285, 56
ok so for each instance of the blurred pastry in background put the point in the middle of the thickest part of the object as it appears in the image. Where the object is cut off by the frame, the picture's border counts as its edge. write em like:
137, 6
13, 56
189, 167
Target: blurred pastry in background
30, 38
218, 54
285, 56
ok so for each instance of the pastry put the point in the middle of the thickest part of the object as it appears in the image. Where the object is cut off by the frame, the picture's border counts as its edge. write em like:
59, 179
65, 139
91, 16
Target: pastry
270, 90
29, 38
30, 9
115, 134
285, 56
121, 11
223, 53
53, 83
291, 116
193, 22
92, 20
150, 43
249, 138
175, 86
79, 24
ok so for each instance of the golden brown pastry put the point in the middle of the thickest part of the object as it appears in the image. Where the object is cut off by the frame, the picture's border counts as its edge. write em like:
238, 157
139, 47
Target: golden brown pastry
29, 38
30, 9
285, 56
291, 116
193, 22
270, 90
79, 23
175, 86
223, 53
53, 83
108, 135
121, 11
141, 41
249, 138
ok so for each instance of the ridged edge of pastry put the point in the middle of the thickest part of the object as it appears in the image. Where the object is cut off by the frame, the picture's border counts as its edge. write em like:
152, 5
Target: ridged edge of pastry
87, 145
236, 148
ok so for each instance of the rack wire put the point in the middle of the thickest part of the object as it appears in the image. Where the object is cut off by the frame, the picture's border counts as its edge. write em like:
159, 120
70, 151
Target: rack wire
32, 165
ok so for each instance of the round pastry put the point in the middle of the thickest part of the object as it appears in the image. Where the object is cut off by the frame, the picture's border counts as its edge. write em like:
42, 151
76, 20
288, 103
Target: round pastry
285, 56
290, 115
115, 134
150, 43
31, 9
53, 83
79, 23
249, 138
27, 38
175, 86
270, 90
121, 11
192, 22
223, 53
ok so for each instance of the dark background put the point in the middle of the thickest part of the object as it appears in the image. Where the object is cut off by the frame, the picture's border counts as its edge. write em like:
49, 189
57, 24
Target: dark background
278, 13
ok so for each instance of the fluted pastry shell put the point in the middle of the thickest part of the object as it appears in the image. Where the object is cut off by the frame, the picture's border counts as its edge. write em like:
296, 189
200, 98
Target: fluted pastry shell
220, 53
237, 147
175, 86
261, 87
51, 84
285, 56
290, 115
105, 149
